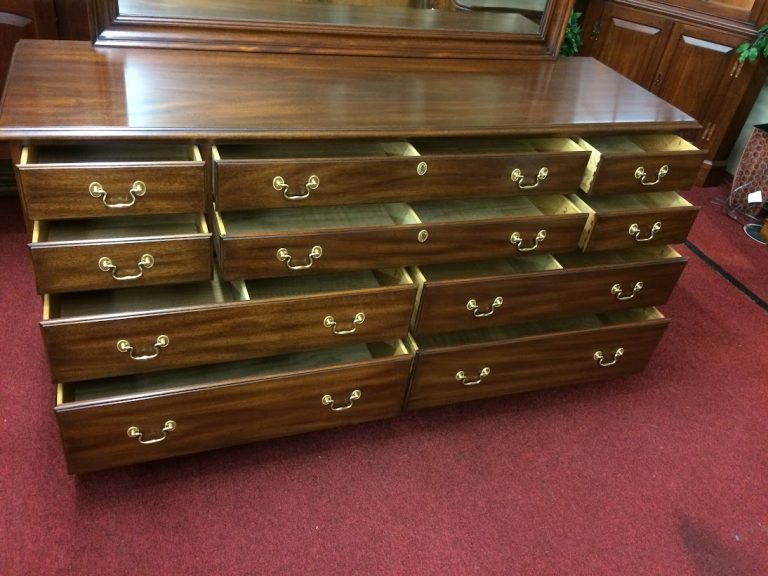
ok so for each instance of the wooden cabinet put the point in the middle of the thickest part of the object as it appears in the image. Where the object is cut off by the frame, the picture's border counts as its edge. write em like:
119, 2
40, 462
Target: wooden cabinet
215, 273
686, 57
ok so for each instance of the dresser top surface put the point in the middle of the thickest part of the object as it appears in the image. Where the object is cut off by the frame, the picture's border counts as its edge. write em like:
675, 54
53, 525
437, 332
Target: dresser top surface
62, 90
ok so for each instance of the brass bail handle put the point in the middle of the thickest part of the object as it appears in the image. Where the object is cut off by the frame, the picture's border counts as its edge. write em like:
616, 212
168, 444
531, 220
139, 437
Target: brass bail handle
145, 262
161, 342
328, 400
641, 175
618, 291
473, 307
314, 253
135, 432
634, 231
518, 176
517, 239
137, 189
462, 377
599, 357
279, 184
330, 322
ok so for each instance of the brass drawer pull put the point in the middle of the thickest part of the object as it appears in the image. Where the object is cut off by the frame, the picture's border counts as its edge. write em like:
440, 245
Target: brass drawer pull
518, 176
328, 400
640, 175
329, 322
146, 261
634, 230
135, 432
278, 183
474, 308
138, 189
517, 240
461, 377
618, 291
284, 256
161, 342
599, 357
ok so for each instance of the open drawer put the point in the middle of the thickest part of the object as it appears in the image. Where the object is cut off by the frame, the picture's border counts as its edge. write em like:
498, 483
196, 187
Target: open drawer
114, 332
468, 296
111, 179
332, 238
118, 421
631, 220
639, 163
275, 174
71, 255
494, 361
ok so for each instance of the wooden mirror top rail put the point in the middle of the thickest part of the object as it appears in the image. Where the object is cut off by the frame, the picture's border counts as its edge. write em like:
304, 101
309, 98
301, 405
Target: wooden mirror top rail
327, 28
70, 90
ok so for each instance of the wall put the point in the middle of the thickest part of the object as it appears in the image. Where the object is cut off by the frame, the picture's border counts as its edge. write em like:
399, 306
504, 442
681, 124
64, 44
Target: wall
758, 115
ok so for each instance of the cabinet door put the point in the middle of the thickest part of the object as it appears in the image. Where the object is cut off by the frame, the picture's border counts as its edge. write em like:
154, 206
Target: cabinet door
697, 72
630, 41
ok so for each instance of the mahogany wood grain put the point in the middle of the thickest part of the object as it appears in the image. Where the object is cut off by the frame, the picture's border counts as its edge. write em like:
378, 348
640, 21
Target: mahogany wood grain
547, 294
254, 255
70, 90
611, 230
523, 364
94, 433
243, 185
81, 348
73, 266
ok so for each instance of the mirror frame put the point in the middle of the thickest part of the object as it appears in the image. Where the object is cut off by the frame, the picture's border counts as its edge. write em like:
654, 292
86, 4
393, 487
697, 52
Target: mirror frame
110, 28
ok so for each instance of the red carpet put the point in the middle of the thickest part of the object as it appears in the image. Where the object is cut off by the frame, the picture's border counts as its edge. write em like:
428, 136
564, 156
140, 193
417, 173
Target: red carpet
664, 473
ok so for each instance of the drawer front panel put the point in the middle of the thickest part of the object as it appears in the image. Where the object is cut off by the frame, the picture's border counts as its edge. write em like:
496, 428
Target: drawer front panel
70, 267
358, 249
530, 363
95, 434
445, 306
87, 347
95, 190
243, 185
614, 231
617, 175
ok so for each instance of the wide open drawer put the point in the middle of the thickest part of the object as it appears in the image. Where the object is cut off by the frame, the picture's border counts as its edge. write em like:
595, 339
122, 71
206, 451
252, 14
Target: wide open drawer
109, 179
631, 220
467, 296
114, 332
494, 361
301, 240
71, 255
278, 174
639, 163
106, 423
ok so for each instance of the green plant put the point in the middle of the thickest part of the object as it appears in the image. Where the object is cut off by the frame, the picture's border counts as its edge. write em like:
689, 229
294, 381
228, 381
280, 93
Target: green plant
751, 50
572, 39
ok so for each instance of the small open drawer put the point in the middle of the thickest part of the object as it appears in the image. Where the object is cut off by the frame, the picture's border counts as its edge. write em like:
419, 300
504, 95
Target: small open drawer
71, 255
114, 332
333, 238
639, 163
111, 179
273, 174
129, 419
631, 220
494, 361
468, 296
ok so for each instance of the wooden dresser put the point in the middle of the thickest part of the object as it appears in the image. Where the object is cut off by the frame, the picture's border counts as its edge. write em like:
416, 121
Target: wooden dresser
233, 247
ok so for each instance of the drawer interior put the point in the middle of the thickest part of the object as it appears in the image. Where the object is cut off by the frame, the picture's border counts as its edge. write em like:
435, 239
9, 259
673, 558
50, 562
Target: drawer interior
119, 228
513, 331
642, 201
180, 380
608, 257
282, 149
110, 152
495, 146
492, 208
637, 144
322, 283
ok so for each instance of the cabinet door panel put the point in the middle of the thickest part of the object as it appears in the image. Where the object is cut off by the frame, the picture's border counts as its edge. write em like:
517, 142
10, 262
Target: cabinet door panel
631, 42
